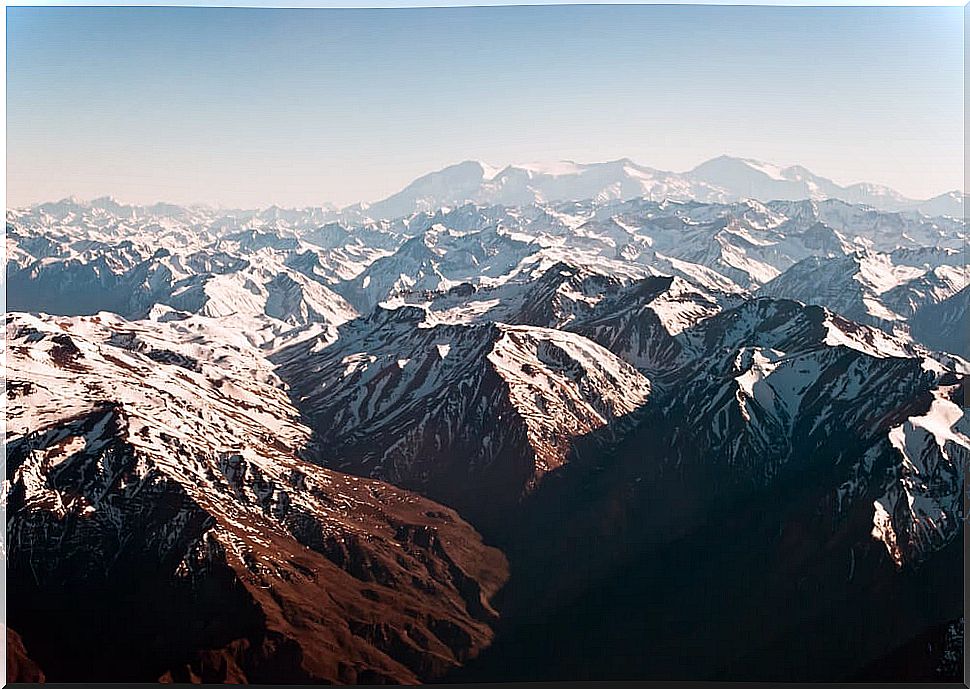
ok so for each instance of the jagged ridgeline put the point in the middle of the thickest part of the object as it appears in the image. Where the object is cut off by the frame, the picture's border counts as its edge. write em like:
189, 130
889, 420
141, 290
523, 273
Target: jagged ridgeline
578, 422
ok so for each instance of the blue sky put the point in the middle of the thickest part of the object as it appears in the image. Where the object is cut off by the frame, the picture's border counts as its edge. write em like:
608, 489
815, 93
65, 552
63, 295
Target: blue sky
248, 107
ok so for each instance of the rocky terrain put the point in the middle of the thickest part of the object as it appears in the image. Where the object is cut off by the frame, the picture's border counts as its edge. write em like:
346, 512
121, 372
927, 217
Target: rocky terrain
156, 499
531, 423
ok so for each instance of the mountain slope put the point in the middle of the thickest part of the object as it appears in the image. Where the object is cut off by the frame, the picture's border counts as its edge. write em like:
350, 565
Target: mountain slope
868, 287
472, 415
805, 480
946, 325
165, 486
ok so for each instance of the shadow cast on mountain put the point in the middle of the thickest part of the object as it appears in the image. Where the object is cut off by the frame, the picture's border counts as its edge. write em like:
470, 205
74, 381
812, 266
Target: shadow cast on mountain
625, 567
663, 556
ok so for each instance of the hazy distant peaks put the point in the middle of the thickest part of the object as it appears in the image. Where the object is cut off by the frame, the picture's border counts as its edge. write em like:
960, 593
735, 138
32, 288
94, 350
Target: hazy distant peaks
719, 180
724, 179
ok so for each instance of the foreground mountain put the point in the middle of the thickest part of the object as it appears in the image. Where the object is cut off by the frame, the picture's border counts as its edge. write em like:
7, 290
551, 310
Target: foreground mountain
20, 667
158, 477
806, 481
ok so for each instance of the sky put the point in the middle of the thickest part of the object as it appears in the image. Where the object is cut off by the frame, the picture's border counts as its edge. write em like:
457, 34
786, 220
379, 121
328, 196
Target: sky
251, 107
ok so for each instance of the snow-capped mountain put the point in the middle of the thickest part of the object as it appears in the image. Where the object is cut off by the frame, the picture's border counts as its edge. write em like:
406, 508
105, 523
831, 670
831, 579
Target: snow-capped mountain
271, 277
722, 179
634, 317
521, 185
264, 282
880, 230
473, 415
641, 323
868, 287
721, 247
765, 382
774, 384
438, 258
747, 178
147, 466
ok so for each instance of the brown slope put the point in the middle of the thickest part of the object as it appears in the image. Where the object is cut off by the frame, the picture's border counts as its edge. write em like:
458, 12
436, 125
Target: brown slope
347, 611
161, 527
20, 667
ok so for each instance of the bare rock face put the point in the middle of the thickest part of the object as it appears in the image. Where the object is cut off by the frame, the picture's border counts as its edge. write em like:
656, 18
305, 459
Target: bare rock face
163, 527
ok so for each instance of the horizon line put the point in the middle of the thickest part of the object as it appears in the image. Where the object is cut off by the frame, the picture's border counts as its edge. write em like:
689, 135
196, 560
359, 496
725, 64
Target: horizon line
487, 167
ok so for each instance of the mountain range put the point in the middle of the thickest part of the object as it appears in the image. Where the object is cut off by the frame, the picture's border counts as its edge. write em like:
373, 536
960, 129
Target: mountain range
723, 179
538, 423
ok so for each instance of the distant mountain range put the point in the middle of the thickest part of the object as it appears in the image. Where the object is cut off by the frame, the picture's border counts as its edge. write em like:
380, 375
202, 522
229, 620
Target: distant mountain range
722, 179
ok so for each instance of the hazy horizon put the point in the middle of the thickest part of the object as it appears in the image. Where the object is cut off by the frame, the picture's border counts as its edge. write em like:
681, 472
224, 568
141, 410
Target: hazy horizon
493, 168
250, 108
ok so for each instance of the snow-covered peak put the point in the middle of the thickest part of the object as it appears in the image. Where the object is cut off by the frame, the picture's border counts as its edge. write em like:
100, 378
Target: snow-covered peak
442, 407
